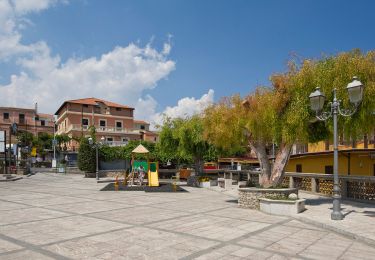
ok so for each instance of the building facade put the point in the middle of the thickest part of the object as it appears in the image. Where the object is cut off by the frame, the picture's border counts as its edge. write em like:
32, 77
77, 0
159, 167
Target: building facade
26, 119
112, 121
355, 158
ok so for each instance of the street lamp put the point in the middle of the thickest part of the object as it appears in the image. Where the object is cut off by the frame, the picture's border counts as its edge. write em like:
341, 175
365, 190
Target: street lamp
54, 143
96, 146
317, 98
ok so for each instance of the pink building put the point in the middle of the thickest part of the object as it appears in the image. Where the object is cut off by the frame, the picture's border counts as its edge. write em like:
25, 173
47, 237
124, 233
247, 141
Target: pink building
112, 121
26, 119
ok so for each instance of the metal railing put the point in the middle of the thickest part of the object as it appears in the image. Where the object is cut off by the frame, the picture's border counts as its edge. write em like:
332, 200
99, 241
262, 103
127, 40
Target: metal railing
99, 129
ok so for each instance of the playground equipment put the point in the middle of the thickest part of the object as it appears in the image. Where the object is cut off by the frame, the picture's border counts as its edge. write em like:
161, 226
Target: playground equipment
141, 167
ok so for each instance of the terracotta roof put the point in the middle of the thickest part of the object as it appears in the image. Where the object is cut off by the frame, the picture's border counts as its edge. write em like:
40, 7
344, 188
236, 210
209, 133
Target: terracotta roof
92, 101
141, 122
45, 115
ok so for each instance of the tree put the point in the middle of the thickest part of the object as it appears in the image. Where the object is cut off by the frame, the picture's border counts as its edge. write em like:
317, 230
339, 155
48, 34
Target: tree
280, 114
183, 139
87, 153
62, 140
86, 156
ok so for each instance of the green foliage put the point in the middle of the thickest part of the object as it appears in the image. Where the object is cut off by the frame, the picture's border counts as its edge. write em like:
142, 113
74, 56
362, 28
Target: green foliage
62, 140
281, 113
317, 131
110, 153
183, 140
25, 138
86, 156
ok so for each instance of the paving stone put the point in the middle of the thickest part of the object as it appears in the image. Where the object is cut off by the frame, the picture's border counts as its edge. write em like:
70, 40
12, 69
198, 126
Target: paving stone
55, 216
6, 246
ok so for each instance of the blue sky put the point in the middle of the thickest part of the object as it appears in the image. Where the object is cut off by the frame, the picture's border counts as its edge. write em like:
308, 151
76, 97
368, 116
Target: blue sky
227, 46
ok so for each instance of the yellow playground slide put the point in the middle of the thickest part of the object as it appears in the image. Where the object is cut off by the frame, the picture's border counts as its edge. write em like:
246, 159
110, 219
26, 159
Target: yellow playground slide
153, 175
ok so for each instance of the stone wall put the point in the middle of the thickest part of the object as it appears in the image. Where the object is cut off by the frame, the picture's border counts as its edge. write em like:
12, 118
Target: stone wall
249, 197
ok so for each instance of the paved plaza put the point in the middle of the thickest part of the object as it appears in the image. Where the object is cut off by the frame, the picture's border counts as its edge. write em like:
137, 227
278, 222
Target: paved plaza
50, 216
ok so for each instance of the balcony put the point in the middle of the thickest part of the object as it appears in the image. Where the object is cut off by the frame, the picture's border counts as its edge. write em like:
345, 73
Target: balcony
115, 143
99, 129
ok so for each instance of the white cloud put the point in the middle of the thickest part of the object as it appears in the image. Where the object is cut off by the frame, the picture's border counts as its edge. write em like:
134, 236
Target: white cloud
25, 6
120, 75
185, 107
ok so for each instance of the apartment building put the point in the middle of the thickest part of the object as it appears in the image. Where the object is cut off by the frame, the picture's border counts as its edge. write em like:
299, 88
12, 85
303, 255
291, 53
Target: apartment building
112, 121
144, 129
27, 119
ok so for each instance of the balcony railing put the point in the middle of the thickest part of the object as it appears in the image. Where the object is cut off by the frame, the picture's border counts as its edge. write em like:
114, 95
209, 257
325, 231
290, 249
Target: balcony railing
99, 129
116, 143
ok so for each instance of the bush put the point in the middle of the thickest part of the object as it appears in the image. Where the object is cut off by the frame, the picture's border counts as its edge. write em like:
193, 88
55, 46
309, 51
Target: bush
203, 179
86, 156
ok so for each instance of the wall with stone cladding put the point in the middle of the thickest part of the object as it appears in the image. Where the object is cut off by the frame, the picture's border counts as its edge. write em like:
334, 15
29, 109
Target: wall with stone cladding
249, 197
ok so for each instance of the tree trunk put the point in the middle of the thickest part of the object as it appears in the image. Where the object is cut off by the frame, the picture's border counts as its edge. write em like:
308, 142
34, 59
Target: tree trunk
198, 165
265, 165
281, 160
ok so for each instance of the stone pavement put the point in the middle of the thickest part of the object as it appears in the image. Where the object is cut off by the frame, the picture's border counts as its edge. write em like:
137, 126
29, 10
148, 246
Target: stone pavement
51, 216
359, 218
358, 222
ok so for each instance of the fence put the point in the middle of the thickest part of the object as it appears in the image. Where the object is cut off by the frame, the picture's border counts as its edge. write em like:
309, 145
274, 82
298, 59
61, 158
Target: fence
352, 187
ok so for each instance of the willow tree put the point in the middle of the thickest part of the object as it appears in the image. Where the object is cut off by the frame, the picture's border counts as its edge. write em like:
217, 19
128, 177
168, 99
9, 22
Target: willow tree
183, 139
280, 113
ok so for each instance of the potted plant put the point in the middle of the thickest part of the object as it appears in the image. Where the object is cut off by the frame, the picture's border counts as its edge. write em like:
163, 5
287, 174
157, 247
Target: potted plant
204, 182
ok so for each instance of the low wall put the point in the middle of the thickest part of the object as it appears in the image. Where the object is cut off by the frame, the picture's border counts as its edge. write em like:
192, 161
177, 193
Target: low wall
282, 207
249, 197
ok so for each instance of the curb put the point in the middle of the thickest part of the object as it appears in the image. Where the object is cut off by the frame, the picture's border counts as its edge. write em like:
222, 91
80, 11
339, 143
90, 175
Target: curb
368, 241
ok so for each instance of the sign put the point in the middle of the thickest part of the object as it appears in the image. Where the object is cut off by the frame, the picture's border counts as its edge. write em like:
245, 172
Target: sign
2, 141
54, 163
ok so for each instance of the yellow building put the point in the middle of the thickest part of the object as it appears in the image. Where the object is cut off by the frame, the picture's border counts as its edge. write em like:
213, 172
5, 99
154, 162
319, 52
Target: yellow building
359, 161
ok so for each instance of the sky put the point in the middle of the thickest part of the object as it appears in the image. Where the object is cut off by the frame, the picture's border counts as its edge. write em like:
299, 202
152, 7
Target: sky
171, 57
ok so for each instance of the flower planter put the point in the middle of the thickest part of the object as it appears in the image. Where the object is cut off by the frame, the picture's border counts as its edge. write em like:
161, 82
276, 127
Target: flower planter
204, 184
282, 207
249, 197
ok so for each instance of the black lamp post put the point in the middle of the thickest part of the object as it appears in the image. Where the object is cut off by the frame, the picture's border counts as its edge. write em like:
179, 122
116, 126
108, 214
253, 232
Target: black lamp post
96, 146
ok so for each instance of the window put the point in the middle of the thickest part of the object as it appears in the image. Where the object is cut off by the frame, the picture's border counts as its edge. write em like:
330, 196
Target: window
85, 105
328, 169
119, 124
85, 121
42, 122
299, 168
142, 127
118, 108
109, 139
21, 118
6, 116
102, 123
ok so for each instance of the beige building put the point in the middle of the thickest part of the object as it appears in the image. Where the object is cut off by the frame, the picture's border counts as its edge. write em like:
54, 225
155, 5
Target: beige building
112, 121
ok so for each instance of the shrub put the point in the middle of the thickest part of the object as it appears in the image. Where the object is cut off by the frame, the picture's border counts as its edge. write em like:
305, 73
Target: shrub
86, 156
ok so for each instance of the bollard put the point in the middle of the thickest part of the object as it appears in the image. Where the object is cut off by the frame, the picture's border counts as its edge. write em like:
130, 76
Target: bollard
124, 182
116, 183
